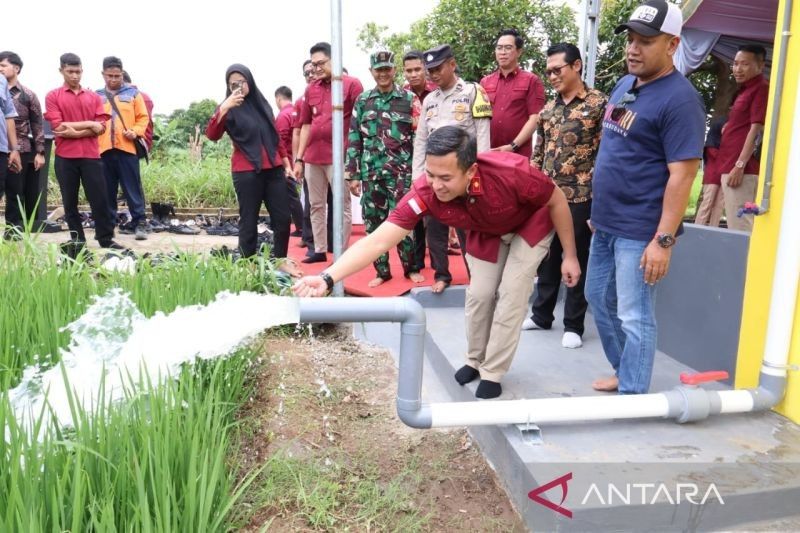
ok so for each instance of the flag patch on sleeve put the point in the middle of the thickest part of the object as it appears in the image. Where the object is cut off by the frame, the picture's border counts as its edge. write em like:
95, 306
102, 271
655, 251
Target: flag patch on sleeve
417, 205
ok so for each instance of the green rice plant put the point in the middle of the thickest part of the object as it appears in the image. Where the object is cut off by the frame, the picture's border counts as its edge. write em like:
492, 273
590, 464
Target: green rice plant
157, 462
187, 184
49, 291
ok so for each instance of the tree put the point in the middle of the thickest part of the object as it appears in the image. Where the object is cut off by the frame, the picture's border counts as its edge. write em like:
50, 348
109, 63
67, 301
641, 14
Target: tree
471, 28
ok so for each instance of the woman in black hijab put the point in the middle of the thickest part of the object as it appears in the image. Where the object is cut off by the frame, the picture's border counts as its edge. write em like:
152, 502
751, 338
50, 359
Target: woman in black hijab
258, 162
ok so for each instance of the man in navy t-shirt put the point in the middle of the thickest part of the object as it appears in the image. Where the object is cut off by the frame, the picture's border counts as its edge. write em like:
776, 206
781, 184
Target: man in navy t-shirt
651, 148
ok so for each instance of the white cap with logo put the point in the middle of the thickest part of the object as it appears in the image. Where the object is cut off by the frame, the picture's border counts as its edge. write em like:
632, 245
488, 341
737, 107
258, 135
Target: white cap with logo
653, 18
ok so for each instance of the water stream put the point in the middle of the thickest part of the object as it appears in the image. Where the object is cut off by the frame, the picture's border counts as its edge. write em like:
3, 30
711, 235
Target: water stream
112, 343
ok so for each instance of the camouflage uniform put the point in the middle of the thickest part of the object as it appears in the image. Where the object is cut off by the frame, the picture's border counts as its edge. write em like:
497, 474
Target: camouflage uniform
381, 142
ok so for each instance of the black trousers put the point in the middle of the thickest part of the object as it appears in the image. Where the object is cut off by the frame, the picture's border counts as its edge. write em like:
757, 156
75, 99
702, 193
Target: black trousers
3, 173
22, 187
419, 245
269, 187
437, 234
295, 205
308, 233
550, 276
71, 173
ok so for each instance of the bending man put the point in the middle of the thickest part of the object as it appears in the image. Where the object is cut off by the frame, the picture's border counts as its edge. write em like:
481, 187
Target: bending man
510, 209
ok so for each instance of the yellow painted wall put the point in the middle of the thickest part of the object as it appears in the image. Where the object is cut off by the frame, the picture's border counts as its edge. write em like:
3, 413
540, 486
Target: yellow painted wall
763, 244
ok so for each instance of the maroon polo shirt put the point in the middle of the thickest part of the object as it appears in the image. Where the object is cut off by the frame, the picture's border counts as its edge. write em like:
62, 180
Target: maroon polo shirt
283, 123
64, 105
507, 195
298, 106
514, 97
317, 110
239, 162
749, 107
428, 89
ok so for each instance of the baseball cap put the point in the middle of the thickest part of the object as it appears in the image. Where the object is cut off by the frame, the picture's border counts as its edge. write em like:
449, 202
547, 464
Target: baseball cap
653, 18
436, 56
381, 59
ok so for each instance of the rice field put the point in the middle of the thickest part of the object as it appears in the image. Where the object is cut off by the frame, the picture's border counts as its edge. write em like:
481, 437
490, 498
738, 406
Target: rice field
158, 461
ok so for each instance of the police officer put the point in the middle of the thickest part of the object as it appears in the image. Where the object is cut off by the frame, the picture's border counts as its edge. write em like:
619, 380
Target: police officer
455, 102
378, 158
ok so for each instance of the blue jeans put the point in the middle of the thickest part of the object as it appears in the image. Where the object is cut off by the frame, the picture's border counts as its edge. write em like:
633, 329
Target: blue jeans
624, 309
122, 168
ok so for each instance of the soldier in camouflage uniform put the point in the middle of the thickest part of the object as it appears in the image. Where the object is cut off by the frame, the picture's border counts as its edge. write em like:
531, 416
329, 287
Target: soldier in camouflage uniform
379, 156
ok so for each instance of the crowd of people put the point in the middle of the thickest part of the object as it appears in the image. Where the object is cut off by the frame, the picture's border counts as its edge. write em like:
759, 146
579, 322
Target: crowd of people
595, 199
586, 189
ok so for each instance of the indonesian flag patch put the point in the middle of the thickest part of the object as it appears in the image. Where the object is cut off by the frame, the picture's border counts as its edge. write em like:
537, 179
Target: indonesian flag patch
417, 205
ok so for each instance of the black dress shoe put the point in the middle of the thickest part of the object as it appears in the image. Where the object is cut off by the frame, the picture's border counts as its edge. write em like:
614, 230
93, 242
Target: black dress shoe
316, 258
296, 233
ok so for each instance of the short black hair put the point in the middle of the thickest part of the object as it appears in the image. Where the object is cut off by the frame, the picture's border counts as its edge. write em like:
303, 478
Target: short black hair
570, 51
284, 91
414, 54
518, 40
126, 77
449, 139
323, 47
70, 59
12, 58
112, 62
756, 49
306, 62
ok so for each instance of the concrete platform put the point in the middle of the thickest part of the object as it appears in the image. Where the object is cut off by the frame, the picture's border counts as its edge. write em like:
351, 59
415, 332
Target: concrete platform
726, 472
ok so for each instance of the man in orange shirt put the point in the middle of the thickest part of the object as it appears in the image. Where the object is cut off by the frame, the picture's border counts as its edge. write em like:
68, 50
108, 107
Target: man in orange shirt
129, 120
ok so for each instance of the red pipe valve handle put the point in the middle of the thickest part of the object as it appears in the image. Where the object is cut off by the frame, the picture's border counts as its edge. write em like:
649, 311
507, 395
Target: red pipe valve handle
703, 377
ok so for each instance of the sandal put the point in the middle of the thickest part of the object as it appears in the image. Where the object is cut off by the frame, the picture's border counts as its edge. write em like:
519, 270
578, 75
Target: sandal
291, 267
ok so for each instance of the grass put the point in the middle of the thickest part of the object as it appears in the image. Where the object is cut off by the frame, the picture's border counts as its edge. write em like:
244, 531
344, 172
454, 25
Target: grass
160, 461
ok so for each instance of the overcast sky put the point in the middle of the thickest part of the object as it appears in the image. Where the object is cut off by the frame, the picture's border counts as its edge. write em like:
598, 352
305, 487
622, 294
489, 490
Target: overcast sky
177, 51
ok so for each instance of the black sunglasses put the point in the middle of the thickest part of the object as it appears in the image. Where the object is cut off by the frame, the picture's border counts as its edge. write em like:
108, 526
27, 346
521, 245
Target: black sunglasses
620, 107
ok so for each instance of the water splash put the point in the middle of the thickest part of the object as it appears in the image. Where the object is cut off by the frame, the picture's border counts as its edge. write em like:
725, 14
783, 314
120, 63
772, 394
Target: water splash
113, 341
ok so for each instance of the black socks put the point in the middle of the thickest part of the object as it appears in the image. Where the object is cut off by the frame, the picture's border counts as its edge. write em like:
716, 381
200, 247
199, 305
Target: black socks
465, 374
488, 390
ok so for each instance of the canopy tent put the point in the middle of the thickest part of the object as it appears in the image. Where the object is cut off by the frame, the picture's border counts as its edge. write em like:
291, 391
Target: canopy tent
719, 27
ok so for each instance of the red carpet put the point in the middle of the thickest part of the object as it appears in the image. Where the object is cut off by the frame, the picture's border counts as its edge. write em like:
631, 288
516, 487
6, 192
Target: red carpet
356, 284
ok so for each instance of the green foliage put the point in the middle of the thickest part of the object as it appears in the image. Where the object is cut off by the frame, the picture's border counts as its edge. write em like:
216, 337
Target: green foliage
471, 28
159, 461
173, 177
176, 130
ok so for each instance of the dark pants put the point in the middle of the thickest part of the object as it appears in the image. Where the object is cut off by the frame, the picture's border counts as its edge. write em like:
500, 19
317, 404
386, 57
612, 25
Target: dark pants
295, 205
71, 174
308, 232
3, 173
550, 276
253, 188
437, 234
22, 187
419, 245
122, 168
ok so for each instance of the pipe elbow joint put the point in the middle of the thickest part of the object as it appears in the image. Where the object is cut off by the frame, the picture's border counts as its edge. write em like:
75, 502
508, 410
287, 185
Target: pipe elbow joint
419, 418
769, 393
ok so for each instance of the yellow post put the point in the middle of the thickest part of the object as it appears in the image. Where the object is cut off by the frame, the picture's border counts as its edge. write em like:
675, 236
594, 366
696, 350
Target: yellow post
763, 244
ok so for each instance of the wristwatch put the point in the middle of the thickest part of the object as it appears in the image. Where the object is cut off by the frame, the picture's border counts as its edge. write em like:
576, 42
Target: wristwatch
328, 279
740, 164
514, 146
298, 160
665, 240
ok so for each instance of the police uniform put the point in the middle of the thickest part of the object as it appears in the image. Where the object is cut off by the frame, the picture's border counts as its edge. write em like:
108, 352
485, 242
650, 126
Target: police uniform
465, 105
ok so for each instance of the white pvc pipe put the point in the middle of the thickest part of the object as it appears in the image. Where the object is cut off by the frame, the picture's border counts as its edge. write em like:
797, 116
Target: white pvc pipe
736, 401
787, 263
545, 410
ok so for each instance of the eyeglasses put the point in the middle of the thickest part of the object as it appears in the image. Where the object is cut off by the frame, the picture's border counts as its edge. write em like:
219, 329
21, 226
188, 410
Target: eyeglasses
307, 73
505, 47
620, 107
556, 70
318, 64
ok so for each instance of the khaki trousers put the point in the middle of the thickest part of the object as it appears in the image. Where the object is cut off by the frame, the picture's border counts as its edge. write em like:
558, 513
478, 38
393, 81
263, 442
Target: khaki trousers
735, 198
497, 302
709, 212
319, 178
